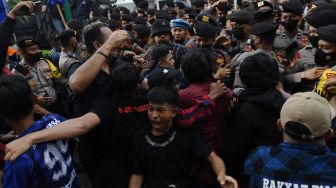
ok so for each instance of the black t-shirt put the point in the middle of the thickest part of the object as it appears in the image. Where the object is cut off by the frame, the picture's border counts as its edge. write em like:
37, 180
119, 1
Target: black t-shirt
166, 159
90, 143
121, 117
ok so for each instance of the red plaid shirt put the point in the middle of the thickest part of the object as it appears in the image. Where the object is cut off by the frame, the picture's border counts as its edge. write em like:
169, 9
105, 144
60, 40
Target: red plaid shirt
212, 125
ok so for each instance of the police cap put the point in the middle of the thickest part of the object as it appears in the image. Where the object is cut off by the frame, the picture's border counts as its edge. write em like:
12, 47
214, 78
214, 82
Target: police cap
205, 30
26, 41
327, 33
293, 6
207, 18
241, 16
321, 16
264, 27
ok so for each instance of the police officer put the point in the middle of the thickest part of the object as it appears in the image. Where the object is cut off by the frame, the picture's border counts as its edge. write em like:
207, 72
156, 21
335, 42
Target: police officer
69, 46
326, 56
303, 75
202, 18
161, 32
291, 14
241, 23
263, 34
180, 31
37, 71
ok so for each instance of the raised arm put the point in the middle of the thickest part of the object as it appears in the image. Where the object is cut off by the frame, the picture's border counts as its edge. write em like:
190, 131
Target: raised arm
67, 129
7, 28
87, 72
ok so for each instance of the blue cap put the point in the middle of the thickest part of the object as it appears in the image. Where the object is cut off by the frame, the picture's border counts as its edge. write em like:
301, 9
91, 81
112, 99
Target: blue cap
179, 23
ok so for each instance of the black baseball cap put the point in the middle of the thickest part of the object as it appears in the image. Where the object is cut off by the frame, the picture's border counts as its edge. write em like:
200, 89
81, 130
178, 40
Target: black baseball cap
162, 77
26, 41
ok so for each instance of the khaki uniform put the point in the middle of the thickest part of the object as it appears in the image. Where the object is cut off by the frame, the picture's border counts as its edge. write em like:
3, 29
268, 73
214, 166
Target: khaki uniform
238, 59
293, 75
282, 41
39, 78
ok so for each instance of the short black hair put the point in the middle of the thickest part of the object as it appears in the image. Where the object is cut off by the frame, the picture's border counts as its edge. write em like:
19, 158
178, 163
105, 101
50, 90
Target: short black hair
16, 99
76, 24
142, 30
124, 9
198, 65
259, 71
163, 94
124, 78
113, 25
300, 132
92, 33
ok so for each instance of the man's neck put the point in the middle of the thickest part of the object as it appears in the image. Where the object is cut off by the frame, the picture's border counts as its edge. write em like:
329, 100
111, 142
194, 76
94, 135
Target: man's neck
161, 132
288, 139
292, 34
68, 50
20, 126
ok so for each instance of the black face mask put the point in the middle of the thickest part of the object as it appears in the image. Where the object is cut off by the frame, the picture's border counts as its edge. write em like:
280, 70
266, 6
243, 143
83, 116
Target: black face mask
238, 32
36, 57
290, 24
322, 59
314, 41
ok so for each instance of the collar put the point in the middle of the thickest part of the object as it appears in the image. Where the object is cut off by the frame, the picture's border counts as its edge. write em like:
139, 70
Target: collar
34, 127
316, 148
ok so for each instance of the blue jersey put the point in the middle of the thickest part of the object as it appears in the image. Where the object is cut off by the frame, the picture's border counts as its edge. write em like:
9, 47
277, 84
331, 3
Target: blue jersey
46, 164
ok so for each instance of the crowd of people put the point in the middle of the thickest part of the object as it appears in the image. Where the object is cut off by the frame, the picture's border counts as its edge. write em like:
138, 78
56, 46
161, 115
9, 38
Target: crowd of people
199, 94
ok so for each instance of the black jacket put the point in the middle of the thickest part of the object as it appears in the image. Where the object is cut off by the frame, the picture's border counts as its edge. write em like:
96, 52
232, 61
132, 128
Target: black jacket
252, 124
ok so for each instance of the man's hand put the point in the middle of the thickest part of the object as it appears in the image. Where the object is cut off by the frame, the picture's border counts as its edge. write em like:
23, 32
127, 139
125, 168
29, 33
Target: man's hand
217, 90
129, 54
40, 110
330, 85
227, 181
8, 137
117, 38
17, 147
42, 100
21, 9
313, 73
222, 73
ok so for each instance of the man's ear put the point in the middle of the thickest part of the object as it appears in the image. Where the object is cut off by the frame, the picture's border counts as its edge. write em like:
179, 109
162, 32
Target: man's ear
161, 63
96, 45
279, 125
174, 111
329, 134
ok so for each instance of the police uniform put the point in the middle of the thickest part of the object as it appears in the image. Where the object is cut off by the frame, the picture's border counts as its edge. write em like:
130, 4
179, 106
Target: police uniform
293, 76
327, 33
67, 58
201, 18
240, 17
282, 41
39, 75
257, 29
